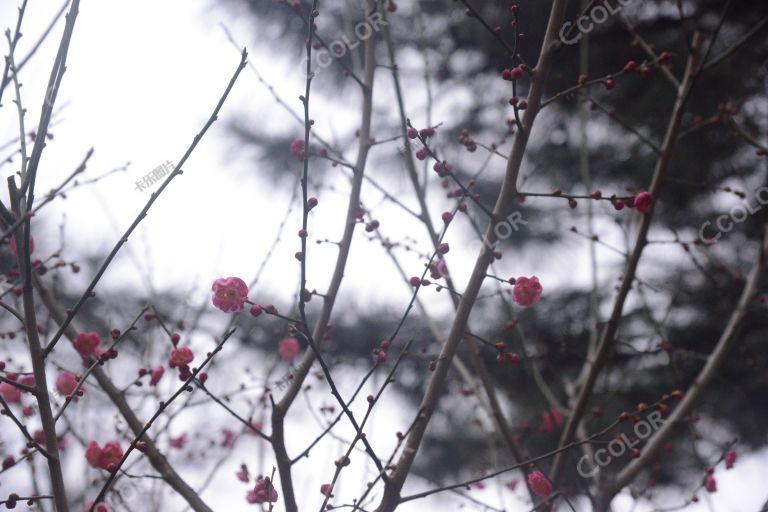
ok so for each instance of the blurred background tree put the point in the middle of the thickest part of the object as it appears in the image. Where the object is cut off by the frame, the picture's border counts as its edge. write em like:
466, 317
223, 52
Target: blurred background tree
450, 69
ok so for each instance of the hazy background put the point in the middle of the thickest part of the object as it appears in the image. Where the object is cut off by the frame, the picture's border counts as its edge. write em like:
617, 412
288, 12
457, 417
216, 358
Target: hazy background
142, 78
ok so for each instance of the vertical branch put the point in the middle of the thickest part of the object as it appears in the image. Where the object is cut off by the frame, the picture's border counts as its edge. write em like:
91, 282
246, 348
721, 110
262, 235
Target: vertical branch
57, 73
497, 415
11, 63
21, 207
586, 175
280, 409
37, 357
392, 489
596, 361
5, 79
64, 320
305, 171
712, 366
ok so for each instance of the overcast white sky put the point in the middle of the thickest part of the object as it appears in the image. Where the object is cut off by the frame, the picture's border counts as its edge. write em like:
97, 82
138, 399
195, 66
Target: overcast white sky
142, 78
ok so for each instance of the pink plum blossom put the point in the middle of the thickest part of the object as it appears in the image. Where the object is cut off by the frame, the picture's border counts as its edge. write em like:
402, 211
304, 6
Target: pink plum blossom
263, 492
66, 383
10, 393
156, 375
178, 442
181, 356
229, 294
539, 484
643, 202
86, 343
289, 349
106, 457
527, 291
297, 149
730, 458
710, 483
14, 249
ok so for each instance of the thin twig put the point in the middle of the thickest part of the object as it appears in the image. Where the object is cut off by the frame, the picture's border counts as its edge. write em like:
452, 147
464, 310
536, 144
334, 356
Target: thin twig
597, 360
160, 410
143, 213
392, 490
